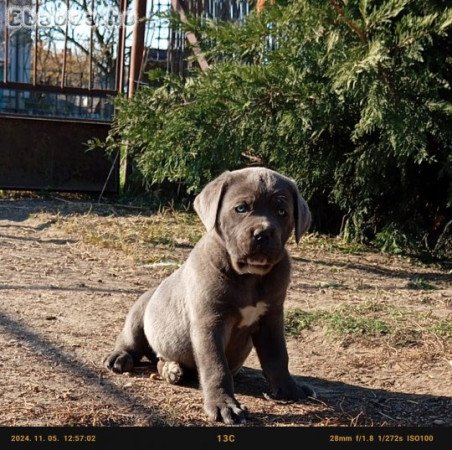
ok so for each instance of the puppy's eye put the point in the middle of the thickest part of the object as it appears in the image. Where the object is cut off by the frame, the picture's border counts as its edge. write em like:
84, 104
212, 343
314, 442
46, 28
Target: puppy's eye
242, 208
282, 212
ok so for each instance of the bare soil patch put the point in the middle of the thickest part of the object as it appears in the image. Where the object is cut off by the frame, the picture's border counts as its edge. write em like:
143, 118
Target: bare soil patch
372, 333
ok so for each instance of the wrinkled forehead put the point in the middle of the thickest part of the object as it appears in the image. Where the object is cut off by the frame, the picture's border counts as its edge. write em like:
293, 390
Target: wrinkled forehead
256, 186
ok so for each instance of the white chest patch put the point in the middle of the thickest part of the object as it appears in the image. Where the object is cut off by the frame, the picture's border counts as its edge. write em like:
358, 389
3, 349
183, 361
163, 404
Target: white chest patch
251, 314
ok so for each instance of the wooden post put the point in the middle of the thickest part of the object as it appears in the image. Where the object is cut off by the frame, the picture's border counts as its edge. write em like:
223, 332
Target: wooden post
190, 36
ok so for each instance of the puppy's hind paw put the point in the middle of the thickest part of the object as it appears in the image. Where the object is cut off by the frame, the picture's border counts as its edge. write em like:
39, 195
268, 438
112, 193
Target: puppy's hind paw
170, 371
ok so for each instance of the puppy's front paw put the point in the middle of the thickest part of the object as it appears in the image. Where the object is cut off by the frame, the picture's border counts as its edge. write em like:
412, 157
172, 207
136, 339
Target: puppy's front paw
291, 390
119, 361
225, 409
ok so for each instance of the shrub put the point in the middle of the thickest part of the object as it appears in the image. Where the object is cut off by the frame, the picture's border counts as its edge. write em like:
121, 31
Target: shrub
352, 99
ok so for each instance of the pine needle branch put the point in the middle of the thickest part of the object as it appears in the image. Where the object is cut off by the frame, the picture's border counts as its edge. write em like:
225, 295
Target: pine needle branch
352, 25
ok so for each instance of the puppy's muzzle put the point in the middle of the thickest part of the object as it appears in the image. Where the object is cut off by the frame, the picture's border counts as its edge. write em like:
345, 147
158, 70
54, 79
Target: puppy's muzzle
263, 250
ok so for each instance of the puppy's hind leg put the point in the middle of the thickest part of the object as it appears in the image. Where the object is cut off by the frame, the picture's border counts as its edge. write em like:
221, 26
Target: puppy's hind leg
131, 344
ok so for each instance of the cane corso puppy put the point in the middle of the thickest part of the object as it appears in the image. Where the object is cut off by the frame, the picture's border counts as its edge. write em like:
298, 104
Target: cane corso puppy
227, 297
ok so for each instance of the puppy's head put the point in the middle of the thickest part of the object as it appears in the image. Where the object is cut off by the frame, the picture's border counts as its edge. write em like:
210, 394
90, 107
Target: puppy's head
253, 210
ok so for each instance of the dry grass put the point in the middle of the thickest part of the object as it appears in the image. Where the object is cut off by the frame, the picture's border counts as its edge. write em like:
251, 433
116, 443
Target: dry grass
371, 332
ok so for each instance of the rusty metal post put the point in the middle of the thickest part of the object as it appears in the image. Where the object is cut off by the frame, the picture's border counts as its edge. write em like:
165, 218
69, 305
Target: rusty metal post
137, 51
260, 5
136, 60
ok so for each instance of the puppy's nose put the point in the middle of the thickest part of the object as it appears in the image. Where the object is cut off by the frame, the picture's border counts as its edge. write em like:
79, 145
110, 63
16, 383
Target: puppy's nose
262, 235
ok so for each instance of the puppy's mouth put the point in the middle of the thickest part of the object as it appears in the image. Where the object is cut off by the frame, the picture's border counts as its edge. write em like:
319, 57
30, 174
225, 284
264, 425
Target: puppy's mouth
259, 266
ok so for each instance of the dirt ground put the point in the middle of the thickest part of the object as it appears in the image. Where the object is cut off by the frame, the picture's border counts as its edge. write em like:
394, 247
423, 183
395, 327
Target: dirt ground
64, 294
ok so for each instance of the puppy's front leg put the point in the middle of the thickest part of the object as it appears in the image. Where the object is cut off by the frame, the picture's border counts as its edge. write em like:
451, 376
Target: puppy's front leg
271, 350
214, 374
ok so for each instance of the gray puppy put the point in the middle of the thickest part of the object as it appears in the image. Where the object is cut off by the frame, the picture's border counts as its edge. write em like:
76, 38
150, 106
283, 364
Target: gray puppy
227, 297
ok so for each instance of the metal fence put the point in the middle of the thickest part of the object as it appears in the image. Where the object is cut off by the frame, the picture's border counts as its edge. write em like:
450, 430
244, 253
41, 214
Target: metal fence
61, 62
65, 58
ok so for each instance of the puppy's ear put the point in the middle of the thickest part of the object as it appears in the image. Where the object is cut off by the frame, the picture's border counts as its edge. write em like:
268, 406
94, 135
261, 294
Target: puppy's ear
302, 215
207, 203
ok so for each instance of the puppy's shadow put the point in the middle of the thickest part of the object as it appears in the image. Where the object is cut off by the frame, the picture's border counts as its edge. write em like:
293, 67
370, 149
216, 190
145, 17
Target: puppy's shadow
337, 403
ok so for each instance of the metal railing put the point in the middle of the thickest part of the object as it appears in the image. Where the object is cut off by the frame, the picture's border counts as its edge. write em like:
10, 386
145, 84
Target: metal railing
65, 58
